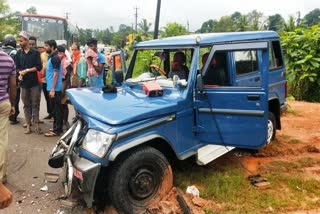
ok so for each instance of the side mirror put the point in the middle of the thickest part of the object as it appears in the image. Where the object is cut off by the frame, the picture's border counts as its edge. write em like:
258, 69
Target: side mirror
199, 82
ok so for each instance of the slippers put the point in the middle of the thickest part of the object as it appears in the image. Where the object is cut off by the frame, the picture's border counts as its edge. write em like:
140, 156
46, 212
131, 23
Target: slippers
51, 134
38, 131
28, 131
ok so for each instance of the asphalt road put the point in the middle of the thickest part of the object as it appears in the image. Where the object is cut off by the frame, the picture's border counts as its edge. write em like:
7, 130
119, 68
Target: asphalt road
28, 156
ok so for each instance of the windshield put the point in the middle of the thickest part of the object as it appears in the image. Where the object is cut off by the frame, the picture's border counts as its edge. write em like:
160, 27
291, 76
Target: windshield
44, 28
166, 66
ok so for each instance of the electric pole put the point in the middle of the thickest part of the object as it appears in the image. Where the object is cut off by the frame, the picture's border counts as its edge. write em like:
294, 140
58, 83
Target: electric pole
188, 24
156, 25
67, 15
136, 19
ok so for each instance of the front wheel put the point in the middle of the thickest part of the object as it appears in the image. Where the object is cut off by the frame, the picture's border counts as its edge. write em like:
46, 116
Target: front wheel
139, 179
271, 127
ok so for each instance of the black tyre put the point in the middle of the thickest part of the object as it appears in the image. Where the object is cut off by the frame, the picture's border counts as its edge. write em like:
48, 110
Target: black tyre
271, 127
140, 178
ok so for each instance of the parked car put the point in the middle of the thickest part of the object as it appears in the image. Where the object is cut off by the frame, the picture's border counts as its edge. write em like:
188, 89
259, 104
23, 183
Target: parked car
231, 94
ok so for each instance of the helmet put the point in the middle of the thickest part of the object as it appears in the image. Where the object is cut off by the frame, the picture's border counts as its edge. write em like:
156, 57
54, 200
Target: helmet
9, 39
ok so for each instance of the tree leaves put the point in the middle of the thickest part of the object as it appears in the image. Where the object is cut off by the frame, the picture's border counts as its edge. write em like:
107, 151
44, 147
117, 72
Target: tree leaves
302, 54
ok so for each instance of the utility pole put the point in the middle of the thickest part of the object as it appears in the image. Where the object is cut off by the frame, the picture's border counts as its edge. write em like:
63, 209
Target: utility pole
156, 25
67, 15
136, 19
188, 24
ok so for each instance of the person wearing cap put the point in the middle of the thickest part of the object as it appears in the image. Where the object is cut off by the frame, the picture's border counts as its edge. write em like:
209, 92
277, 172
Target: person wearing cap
28, 63
54, 87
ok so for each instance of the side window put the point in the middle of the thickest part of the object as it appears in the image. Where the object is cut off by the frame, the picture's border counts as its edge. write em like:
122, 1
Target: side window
217, 71
246, 62
275, 56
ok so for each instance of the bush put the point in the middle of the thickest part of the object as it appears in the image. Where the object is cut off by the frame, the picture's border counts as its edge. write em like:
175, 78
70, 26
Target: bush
302, 54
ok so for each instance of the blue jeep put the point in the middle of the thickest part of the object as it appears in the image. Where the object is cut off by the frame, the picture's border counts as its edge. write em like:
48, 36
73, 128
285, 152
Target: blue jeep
196, 95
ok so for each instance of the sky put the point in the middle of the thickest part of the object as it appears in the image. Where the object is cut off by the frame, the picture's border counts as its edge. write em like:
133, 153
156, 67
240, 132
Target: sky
103, 14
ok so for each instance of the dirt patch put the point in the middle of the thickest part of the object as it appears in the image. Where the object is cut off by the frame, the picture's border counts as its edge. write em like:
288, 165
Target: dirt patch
299, 137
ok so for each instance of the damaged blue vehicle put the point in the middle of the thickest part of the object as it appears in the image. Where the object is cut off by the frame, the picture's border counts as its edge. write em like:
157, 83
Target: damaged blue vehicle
198, 95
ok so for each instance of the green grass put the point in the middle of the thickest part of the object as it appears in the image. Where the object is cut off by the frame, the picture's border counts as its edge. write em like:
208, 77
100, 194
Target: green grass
228, 186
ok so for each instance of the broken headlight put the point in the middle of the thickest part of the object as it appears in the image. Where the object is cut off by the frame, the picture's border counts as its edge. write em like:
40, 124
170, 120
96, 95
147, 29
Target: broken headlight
97, 142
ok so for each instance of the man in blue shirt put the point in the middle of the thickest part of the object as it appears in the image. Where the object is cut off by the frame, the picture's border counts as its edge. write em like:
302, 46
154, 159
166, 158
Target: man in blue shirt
96, 81
54, 86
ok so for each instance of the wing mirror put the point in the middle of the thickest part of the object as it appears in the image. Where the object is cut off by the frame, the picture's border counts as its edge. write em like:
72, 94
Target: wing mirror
199, 82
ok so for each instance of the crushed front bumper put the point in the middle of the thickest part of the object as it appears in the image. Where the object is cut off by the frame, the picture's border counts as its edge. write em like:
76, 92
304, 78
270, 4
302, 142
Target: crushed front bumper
77, 170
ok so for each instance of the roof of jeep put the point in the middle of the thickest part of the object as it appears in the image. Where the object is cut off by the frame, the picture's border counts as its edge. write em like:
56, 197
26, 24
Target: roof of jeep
209, 38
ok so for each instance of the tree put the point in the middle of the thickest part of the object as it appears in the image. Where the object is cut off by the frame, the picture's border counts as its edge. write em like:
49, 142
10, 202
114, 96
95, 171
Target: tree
225, 24
144, 27
301, 49
242, 23
276, 22
174, 29
236, 16
290, 26
8, 22
32, 10
206, 27
312, 18
256, 20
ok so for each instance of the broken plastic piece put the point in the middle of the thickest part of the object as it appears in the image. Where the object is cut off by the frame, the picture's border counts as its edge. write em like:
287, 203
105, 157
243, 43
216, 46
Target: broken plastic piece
193, 190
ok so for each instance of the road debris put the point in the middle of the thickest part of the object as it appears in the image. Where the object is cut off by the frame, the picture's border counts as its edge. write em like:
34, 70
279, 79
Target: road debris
44, 188
51, 177
182, 203
258, 181
68, 203
193, 190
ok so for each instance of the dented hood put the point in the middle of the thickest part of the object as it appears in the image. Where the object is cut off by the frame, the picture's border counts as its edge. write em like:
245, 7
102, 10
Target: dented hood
125, 106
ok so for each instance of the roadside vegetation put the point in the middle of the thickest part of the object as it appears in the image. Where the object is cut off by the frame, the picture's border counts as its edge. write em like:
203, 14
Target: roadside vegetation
228, 186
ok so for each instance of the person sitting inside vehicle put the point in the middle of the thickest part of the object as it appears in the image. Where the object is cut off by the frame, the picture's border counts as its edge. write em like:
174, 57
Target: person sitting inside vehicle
178, 66
215, 74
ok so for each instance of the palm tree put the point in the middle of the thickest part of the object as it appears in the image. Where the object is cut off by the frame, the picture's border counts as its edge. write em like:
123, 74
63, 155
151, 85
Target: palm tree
290, 25
144, 27
242, 24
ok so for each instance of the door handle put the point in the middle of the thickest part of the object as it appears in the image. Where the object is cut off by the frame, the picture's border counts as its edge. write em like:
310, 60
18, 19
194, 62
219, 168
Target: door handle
253, 97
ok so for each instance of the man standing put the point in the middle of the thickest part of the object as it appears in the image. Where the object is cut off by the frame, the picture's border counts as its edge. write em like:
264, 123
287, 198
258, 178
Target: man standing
7, 84
33, 42
28, 64
93, 80
7, 81
9, 48
44, 61
54, 86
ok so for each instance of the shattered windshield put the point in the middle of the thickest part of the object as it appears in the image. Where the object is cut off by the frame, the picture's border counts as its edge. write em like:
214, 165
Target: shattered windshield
166, 66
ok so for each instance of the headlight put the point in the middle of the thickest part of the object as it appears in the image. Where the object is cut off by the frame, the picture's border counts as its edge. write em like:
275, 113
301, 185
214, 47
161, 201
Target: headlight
97, 142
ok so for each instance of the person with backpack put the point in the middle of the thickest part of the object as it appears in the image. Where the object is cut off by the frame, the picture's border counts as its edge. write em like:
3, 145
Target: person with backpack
9, 47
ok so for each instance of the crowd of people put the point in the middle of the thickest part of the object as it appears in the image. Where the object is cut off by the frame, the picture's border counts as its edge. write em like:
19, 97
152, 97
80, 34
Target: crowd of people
26, 73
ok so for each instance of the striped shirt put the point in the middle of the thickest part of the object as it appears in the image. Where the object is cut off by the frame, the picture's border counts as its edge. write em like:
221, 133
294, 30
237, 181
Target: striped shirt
7, 68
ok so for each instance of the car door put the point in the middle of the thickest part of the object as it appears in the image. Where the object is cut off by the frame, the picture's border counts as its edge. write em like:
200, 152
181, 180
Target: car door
235, 114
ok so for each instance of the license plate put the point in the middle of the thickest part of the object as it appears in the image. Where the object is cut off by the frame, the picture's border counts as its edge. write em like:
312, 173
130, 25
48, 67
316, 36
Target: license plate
77, 174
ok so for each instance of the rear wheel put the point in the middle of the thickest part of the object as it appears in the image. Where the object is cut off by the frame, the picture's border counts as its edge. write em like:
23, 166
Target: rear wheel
140, 178
271, 127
